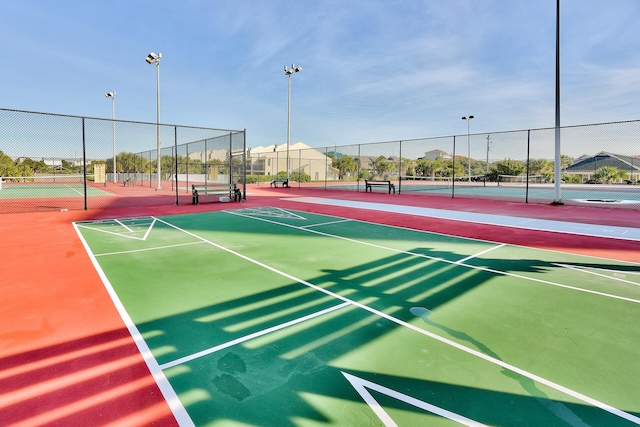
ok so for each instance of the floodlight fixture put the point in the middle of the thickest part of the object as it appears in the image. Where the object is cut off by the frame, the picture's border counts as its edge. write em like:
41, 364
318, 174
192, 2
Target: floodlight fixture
293, 69
468, 119
153, 58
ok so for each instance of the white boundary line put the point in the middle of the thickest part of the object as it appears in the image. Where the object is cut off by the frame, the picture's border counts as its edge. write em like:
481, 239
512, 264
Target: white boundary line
460, 263
84, 224
587, 270
326, 223
240, 340
169, 394
592, 230
361, 385
548, 383
148, 249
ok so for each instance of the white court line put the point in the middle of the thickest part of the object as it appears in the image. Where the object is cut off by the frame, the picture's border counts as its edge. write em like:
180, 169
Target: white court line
361, 386
583, 269
480, 253
177, 408
117, 221
149, 229
240, 340
115, 233
490, 359
74, 190
593, 230
148, 249
489, 270
320, 224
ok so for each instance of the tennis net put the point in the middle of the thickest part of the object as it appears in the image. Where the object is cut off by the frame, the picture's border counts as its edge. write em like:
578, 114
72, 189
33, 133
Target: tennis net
41, 181
520, 179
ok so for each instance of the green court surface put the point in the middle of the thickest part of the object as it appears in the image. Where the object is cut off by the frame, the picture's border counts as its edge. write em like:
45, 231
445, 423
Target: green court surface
272, 317
628, 194
26, 190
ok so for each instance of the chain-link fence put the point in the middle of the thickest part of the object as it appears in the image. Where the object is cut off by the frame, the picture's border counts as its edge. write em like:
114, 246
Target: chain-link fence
60, 162
599, 165
52, 162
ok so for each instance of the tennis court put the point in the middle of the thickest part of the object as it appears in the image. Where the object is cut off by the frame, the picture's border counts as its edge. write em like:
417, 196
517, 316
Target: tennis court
621, 194
47, 189
280, 317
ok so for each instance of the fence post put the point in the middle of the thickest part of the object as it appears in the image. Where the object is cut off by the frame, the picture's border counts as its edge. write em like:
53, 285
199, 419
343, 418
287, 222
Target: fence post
526, 192
359, 168
175, 162
244, 164
84, 164
453, 169
400, 169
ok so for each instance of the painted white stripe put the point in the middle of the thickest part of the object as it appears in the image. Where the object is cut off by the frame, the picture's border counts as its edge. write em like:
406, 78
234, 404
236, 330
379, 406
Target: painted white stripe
594, 230
361, 385
320, 224
148, 249
123, 225
102, 230
489, 270
245, 338
149, 229
463, 260
588, 271
562, 389
169, 394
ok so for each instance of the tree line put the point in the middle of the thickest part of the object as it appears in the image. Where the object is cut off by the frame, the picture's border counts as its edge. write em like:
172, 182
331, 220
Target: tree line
382, 166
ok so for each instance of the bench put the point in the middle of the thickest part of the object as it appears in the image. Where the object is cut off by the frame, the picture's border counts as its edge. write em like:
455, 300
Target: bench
222, 190
369, 184
283, 181
128, 181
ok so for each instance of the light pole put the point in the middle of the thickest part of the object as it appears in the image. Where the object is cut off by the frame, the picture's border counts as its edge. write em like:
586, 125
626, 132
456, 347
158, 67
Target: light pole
112, 97
288, 72
152, 58
557, 200
468, 119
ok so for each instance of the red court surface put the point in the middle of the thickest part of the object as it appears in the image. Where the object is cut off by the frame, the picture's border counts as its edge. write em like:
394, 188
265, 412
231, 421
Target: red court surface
66, 357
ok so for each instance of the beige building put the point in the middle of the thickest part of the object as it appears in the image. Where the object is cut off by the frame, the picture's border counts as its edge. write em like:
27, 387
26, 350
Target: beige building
272, 159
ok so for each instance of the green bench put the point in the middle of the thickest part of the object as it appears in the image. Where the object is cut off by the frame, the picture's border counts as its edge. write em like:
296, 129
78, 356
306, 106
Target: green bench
370, 183
283, 181
220, 190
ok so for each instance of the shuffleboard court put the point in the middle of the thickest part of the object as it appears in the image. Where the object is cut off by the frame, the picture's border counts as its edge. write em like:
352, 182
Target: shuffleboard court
277, 317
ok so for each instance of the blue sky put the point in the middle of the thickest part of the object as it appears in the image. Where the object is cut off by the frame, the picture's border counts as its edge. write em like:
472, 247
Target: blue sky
373, 70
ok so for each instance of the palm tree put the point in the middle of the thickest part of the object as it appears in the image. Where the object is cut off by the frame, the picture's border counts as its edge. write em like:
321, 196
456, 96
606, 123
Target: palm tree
610, 174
